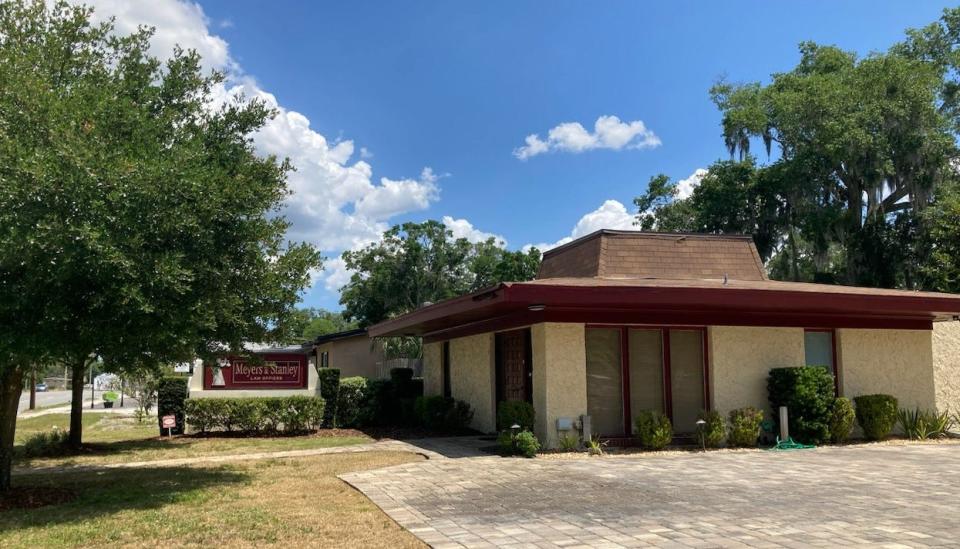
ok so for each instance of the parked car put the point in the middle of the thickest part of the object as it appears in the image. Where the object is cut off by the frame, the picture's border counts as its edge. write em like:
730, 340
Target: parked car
42, 387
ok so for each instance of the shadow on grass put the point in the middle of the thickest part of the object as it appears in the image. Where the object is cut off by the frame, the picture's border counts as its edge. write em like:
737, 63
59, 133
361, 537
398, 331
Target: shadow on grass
108, 492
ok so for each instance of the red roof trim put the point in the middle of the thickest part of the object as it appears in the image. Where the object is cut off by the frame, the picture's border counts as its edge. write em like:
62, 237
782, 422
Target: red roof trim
725, 305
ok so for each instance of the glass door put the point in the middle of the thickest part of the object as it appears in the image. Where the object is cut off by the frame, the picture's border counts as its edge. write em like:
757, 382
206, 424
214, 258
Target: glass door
686, 379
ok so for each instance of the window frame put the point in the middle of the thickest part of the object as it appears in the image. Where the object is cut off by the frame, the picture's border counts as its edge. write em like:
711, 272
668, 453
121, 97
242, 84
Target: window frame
665, 362
833, 353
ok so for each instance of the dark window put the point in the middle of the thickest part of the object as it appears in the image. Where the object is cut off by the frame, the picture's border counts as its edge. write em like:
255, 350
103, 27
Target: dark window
819, 348
324, 359
446, 369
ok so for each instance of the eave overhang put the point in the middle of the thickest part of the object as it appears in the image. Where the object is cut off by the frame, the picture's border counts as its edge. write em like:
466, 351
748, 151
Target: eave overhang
673, 303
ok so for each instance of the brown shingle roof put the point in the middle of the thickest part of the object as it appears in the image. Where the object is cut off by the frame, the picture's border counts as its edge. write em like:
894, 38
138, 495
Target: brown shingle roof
634, 254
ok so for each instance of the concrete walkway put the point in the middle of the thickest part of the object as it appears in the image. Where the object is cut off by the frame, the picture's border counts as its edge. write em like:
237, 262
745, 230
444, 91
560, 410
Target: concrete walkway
869, 495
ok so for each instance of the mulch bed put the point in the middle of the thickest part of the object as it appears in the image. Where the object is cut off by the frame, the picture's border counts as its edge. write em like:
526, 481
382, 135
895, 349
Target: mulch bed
32, 497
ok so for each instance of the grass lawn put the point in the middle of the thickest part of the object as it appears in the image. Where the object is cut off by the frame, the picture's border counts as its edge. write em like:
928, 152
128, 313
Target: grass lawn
289, 502
111, 438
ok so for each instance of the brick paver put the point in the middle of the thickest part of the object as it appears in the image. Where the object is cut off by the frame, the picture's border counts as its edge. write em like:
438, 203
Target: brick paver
874, 495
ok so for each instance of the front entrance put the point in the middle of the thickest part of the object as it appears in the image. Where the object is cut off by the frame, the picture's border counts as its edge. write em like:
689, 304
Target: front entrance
633, 369
514, 367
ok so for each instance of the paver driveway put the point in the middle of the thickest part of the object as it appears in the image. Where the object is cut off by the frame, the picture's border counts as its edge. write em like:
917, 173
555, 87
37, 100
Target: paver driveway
876, 495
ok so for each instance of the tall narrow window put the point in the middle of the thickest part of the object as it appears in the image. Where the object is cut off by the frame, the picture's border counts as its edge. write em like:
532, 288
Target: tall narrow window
605, 380
446, 369
818, 348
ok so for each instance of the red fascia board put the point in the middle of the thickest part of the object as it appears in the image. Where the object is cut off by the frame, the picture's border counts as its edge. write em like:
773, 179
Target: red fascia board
742, 299
749, 305
409, 321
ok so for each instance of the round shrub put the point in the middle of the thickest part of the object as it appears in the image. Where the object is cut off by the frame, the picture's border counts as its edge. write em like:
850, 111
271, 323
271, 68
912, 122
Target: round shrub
653, 429
523, 443
515, 412
876, 414
714, 431
744, 426
842, 418
808, 394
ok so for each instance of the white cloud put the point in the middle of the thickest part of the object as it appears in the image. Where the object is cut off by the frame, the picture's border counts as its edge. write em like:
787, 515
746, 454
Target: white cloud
685, 186
610, 215
335, 203
461, 228
608, 133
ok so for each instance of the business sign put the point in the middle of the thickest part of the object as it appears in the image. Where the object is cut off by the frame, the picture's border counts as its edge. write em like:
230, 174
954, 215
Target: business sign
169, 422
274, 372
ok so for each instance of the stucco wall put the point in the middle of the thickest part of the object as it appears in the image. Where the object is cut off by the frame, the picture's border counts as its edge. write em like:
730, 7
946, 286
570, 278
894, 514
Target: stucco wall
896, 362
433, 369
559, 377
353, 356
946, 365
740, 361
472, 377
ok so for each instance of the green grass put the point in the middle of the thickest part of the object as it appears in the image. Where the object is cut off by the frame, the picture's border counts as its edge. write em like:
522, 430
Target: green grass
111, 438
290, 503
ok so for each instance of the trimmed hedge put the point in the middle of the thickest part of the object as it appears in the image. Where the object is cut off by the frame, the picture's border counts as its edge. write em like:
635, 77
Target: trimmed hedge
171, 396
713, 431
405, 391
328, 381
654, 429
515, 412
350, 402
876, 414
808, 394
744, 426
443, 413
292, 414
842, 419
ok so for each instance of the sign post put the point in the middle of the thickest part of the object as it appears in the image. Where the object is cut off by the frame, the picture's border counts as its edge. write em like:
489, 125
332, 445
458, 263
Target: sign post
168, 423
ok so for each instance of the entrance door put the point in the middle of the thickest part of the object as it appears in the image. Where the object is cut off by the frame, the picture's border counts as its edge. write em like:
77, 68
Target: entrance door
514, 367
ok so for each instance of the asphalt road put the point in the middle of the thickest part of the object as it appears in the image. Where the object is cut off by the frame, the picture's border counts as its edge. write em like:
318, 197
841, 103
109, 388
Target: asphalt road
53, 398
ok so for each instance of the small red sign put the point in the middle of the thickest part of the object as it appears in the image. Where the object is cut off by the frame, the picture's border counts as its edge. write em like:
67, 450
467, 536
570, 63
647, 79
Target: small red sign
169, 422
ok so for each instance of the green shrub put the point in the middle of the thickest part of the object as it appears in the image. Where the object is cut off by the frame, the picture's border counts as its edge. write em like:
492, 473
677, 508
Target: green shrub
171, 396
523, 443
51, 443
203, 415
653, 429
443, 413
350, 401
808, 394
923, 424
595, 446
110, 396
744, 426
377, 406
328, 380
515, 412
876, 414
292, 414
714, 429
842, 419
569, 443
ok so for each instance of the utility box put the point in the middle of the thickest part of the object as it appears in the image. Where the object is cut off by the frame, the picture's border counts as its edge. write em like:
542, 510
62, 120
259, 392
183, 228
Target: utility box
586, 432
565, 424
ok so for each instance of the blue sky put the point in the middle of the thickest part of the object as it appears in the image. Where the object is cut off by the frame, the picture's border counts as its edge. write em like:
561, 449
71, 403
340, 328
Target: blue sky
457, 87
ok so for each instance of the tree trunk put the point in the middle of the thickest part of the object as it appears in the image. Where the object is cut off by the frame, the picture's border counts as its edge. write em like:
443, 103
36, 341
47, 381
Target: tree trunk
33, 390
11, 385
76, 404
